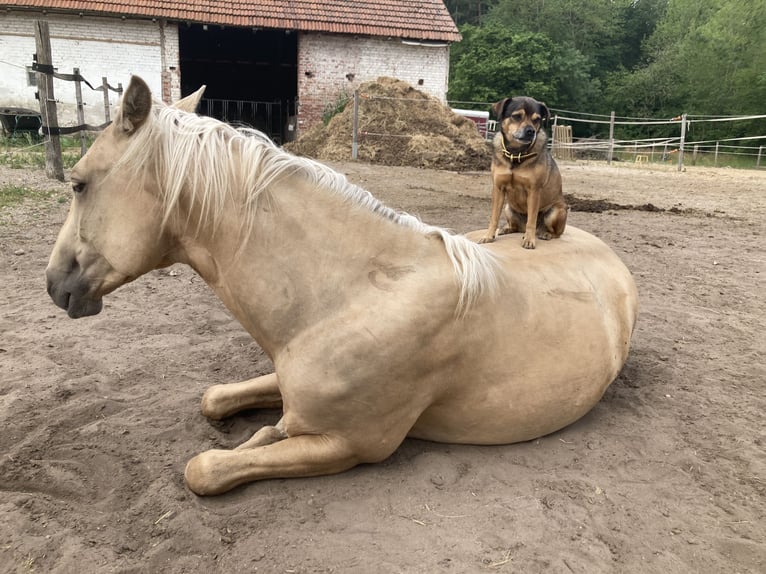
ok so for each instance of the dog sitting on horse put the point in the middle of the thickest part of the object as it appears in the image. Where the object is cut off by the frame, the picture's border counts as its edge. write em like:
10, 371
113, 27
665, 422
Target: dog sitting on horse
525, 178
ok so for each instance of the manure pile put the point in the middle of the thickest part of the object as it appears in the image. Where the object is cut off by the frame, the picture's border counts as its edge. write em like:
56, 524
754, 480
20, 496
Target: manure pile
399, 126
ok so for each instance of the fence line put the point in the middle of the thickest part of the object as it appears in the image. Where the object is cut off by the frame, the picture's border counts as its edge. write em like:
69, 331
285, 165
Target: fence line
684, 120
43, 65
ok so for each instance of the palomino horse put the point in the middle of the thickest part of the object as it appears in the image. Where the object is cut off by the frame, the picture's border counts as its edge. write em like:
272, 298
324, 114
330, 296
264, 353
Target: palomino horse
379, 326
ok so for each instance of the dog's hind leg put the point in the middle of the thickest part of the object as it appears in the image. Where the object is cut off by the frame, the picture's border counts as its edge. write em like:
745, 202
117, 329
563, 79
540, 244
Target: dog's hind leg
553, 222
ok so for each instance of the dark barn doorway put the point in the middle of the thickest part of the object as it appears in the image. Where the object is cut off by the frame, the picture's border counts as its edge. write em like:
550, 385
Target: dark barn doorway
250, 74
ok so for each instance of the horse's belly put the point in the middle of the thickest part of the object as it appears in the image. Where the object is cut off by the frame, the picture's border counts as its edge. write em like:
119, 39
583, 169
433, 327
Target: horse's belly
518, 407
543, 353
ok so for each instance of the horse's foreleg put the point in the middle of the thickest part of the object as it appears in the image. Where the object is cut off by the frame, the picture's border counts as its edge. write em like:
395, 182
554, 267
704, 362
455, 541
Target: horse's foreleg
216, 471
221, 401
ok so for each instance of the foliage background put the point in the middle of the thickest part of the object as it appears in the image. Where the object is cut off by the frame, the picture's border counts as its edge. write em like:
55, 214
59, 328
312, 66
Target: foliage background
640, 58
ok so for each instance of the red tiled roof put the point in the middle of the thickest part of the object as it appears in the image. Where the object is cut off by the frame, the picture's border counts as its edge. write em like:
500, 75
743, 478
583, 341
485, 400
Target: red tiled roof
413, 19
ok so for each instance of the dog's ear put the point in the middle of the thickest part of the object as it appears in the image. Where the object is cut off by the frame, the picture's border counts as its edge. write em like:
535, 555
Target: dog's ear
544, 112
498, 108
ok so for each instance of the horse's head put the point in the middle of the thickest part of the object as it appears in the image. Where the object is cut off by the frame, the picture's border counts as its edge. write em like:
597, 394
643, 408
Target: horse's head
114, 231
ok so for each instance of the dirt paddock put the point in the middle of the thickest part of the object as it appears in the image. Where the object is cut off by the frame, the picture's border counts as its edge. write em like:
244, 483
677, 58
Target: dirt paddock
667, 474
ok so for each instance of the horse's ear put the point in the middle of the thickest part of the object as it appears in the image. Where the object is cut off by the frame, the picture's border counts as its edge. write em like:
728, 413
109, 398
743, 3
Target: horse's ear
190, 102
136, 105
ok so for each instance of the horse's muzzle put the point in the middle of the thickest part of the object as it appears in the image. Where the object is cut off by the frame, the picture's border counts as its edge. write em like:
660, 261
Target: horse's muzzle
70, 292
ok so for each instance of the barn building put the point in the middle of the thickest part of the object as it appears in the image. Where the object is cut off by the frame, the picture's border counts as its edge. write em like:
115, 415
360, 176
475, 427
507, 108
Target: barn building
273, 64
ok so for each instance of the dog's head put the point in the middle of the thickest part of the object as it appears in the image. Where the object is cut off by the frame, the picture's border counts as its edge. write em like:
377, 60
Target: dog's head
520, 119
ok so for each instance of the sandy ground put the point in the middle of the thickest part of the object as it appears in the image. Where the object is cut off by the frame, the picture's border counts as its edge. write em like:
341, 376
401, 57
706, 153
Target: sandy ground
667, 474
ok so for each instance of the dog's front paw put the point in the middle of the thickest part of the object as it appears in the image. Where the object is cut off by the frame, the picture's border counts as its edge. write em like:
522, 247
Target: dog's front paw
486, 239
528, 242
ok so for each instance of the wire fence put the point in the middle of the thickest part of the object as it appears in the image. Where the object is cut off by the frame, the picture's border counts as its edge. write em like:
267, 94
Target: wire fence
18, 121
744, 151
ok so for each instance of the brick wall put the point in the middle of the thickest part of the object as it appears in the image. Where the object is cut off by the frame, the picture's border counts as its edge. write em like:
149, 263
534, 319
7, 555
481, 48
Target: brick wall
109, 47
329, 65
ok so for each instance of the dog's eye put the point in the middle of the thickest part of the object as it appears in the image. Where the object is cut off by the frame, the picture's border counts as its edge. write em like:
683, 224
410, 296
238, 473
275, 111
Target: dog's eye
78, 187
517, 115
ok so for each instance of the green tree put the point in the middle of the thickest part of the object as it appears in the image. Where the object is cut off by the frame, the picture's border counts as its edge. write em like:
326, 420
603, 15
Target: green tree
638, 20
492, 63
592, 27
591, 39
706, 57
469, 11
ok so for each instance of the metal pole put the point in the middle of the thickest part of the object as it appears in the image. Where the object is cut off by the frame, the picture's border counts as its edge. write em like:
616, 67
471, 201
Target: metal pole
355, 136
611, 139
715, 162
758, 161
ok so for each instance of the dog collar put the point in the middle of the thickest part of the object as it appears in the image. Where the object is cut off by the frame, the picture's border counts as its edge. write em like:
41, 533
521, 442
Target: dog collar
517, 157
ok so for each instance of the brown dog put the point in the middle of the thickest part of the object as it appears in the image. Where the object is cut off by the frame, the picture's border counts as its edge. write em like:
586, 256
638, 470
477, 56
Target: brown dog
525, 178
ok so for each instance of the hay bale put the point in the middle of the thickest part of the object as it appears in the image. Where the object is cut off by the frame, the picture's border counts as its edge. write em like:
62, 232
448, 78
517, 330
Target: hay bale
402, 126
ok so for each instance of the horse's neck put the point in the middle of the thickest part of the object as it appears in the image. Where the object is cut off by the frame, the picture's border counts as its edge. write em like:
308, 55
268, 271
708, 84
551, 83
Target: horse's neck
309, 252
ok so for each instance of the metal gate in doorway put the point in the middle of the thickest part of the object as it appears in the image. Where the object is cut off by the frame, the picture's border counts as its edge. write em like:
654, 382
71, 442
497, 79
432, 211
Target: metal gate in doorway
264, 116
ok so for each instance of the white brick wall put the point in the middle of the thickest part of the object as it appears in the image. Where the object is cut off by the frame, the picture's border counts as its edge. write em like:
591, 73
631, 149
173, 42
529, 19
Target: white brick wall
324, 61
100, 47
327, 63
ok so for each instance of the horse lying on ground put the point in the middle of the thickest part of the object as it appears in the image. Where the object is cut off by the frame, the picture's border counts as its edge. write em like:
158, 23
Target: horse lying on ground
379, 326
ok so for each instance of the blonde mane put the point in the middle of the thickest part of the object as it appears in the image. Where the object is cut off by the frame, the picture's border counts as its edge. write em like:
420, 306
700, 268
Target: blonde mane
201, 156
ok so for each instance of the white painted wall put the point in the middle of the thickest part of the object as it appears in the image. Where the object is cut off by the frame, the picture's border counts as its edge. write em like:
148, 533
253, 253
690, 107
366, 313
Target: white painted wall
117, 48
100, 47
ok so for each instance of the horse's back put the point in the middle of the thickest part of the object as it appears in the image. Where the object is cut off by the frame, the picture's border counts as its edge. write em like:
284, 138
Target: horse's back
542, 352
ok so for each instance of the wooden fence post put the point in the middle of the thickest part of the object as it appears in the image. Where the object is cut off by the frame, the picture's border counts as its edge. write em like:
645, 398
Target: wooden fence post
105, 87
553, 141
681, 143
80, 110
54, 168
355, 128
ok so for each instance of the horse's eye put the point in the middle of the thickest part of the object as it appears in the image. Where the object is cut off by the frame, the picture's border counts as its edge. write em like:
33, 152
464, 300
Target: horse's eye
78, 186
